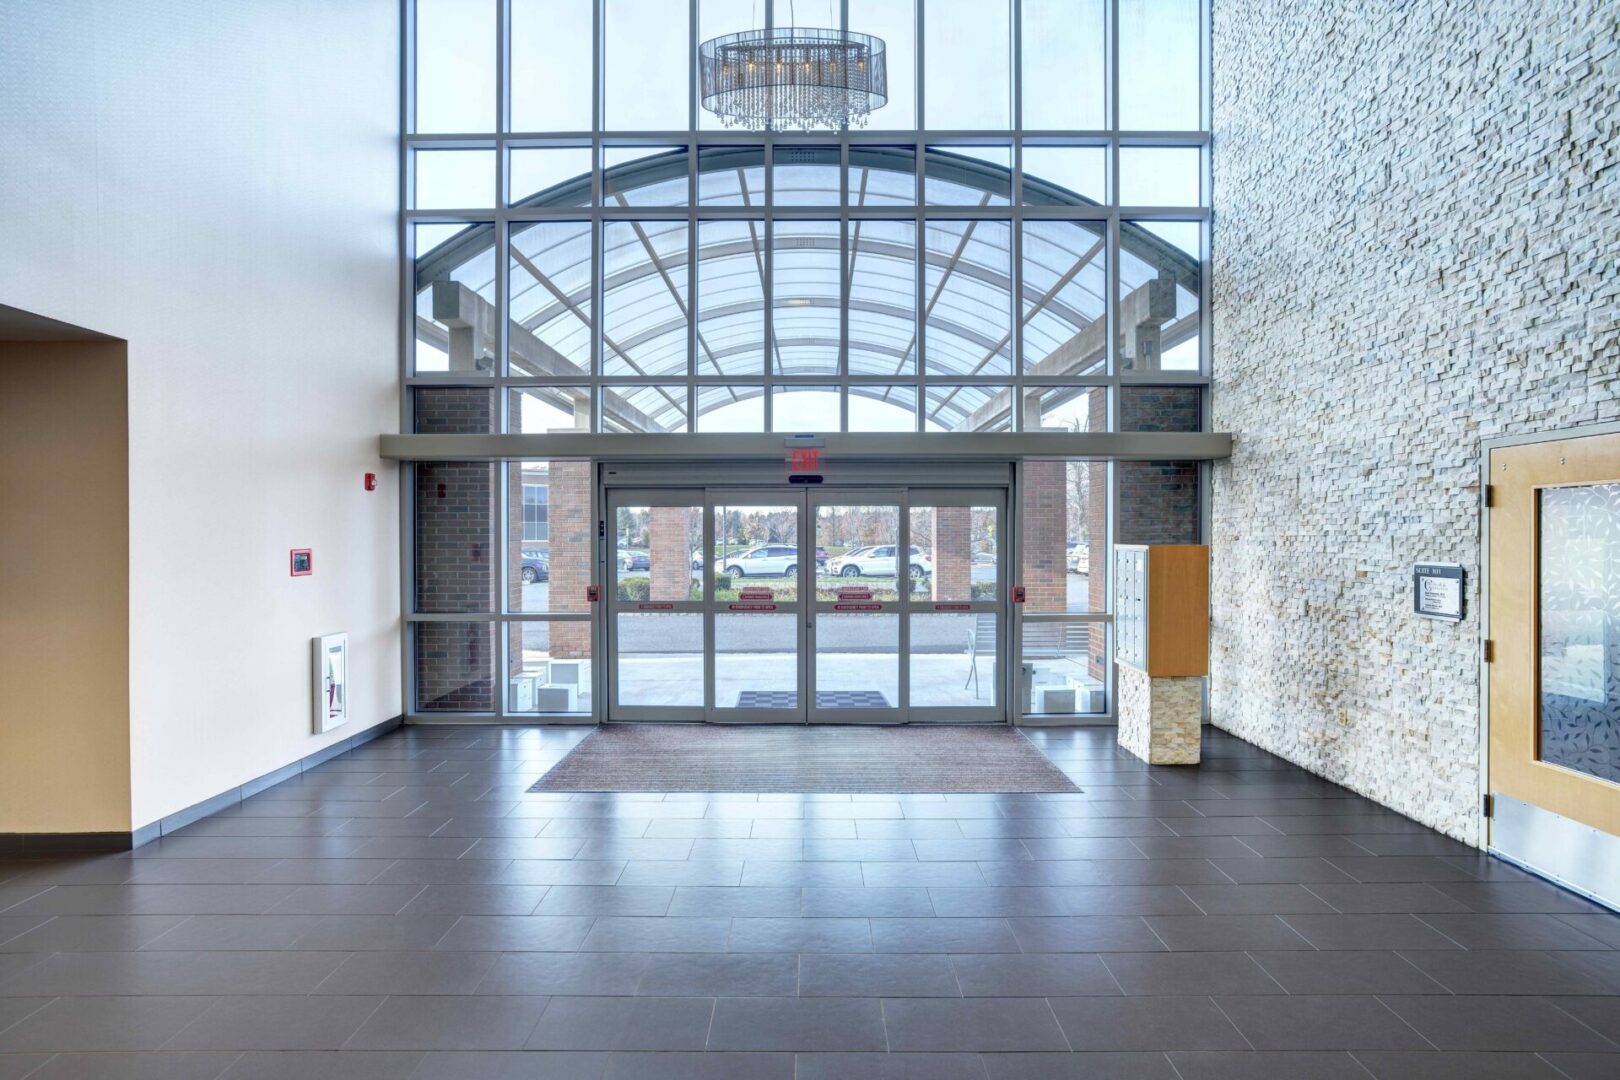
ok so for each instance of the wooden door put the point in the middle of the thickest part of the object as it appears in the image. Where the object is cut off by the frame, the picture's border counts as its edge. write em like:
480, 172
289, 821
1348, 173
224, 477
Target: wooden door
1554, 608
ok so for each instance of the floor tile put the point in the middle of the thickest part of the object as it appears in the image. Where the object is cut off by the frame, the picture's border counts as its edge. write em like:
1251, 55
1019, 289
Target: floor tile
151, 1065
1080, 1066
1225, 933
798, 1024
407, 973
1328, 932
1511, 971
1347, 972
1530, 931
889, 1067
425, 1022
1408, 1065
1189, 973
1146, 1023
800, 935
516, 933
322, 1065
1267, 1065
877, 975
1497, 1023
99, 1023
1042, 975
942, 936
605, 1023
319, 1022
1333, 1022
972, 1025
715, 975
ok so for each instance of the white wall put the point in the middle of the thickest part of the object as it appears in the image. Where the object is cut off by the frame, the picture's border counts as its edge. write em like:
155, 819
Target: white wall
217, 184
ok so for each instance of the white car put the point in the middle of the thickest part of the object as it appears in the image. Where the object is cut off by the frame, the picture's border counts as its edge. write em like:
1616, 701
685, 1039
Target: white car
766, 560
878, 561
1078, 558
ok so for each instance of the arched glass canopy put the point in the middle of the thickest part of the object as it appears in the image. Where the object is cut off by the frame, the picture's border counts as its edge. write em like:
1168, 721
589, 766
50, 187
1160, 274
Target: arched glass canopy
809, 303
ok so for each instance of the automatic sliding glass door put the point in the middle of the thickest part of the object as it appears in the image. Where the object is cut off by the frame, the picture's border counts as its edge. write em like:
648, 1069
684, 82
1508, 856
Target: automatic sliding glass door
856, 625
757, 566
956, 611
656, 624
832, 606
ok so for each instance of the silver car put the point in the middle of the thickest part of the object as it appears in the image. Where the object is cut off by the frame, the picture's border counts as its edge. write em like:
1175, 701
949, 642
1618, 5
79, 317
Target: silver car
766, 560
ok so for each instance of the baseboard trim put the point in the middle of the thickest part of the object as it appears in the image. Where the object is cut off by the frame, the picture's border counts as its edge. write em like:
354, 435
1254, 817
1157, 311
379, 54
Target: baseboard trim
25, 845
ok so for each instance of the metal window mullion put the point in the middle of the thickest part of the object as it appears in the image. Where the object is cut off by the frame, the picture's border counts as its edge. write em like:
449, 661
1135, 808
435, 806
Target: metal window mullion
502, 524
902, 589
768, 300
921, 27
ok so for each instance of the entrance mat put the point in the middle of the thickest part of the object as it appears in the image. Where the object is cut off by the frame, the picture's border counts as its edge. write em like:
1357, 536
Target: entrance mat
796, 758
825, 699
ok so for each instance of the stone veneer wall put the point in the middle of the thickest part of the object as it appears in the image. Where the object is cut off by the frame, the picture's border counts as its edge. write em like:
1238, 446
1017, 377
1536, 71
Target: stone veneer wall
1415, 249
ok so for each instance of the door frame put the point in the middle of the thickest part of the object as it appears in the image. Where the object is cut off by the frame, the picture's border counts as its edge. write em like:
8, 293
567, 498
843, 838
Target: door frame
975, 488
714, 497
1563, 846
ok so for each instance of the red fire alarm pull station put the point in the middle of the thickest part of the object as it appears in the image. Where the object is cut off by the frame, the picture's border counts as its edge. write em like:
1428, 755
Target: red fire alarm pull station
1018, 594
593, 593
301, 562
371, 481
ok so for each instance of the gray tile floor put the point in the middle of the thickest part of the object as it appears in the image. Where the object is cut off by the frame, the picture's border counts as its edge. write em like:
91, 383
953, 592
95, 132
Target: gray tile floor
408, 910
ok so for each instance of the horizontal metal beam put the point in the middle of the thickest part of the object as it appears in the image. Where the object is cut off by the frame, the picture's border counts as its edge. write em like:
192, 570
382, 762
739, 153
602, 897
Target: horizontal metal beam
912, 446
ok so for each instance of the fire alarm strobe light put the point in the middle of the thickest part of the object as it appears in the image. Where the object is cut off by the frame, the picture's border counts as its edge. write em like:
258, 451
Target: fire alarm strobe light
371, 481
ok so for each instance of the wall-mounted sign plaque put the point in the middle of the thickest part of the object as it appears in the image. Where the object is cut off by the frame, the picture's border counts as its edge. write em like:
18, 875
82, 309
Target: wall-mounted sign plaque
1437, 590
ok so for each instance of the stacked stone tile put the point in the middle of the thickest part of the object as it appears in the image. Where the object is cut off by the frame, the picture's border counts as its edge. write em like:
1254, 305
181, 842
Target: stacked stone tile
1417, 247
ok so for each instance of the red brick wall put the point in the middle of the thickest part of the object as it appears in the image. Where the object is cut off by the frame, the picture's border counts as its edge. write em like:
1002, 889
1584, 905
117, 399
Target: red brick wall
667, 536
951, 544
455, 506
1045, 534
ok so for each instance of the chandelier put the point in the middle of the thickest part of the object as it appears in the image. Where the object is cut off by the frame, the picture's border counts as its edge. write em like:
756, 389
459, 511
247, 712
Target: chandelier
793, 76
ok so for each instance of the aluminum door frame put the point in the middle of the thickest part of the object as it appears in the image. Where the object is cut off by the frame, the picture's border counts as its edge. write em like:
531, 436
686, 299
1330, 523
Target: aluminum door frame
995, 712
756, 496
612, 606
854, 496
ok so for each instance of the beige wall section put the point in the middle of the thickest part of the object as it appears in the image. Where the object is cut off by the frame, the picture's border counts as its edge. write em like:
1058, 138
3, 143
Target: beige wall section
64, 594
1414, 251
217, 184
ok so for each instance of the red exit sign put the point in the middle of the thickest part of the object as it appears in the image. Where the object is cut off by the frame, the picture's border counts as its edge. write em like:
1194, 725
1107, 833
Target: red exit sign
804, 459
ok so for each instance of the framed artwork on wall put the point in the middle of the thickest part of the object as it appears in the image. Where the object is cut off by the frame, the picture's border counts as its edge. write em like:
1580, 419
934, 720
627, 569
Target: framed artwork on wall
331, 681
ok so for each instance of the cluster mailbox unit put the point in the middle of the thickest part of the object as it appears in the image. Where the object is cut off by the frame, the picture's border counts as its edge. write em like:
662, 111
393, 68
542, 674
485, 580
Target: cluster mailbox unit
1161, 648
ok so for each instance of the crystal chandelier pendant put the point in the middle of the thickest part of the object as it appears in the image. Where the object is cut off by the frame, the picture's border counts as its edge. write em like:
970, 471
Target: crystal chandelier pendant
793, 77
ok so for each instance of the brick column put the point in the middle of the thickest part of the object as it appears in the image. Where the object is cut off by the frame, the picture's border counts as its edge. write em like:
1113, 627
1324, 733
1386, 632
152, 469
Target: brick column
1099, 555
1045, 534
455, 558
671, 555
951, 544
571, 534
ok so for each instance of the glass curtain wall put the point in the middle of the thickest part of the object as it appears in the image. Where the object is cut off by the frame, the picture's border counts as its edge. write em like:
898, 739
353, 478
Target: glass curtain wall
1015, 241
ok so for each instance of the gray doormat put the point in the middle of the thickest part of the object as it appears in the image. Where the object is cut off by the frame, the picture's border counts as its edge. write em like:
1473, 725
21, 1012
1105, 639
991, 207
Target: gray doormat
796, 758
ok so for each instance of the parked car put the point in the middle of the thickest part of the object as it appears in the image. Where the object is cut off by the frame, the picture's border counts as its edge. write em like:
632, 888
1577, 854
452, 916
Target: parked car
1078, 557
878, 560
536, 567
766, 560
632, 559
821, 557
